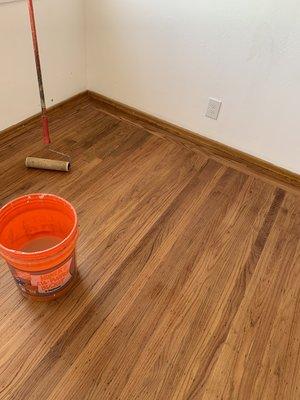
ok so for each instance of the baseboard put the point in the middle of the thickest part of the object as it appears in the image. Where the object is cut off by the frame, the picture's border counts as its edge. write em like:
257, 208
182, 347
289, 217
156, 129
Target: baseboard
171, 132
29, 122
208, 146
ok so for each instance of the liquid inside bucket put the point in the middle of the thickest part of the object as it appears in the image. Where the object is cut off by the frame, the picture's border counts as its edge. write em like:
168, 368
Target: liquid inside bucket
41, 243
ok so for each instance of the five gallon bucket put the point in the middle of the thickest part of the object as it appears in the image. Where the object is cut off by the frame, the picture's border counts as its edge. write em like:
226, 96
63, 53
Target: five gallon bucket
38, 234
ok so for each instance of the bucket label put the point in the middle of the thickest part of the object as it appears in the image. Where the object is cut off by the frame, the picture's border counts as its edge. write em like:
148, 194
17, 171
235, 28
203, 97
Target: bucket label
45, 283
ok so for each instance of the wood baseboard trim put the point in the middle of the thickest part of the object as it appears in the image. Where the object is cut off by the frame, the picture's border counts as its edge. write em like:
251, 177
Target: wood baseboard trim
29, 122
172, 132
208, 146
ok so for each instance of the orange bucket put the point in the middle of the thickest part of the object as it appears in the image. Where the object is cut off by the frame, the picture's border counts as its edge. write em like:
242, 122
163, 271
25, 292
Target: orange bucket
38, 234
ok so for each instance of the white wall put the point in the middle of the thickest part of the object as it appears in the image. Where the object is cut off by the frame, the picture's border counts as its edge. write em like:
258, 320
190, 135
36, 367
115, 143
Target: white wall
61, 29
166, 57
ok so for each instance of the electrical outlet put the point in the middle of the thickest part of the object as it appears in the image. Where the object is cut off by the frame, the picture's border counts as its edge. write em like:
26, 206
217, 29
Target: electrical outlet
213, 108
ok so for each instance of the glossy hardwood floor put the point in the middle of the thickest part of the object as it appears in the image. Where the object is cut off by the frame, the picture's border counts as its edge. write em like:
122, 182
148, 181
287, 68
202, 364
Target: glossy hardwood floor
189, 273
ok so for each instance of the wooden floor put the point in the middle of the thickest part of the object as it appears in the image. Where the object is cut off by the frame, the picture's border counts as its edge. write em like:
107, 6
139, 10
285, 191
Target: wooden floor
189, 274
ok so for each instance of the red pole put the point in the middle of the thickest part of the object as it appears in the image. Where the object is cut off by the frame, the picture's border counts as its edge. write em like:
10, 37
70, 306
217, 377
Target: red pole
45, 123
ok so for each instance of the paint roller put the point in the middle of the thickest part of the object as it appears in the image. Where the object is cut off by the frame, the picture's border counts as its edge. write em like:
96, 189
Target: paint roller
48, 163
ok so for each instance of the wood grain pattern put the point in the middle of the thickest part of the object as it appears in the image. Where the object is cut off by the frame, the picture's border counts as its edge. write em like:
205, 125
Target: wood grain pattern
189, 273
157, 126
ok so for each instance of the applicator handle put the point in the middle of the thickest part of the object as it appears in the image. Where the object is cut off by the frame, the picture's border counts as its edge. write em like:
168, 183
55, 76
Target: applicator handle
46, 135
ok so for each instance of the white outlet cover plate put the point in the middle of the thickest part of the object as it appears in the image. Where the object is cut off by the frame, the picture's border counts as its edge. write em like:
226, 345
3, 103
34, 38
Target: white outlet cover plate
213, 108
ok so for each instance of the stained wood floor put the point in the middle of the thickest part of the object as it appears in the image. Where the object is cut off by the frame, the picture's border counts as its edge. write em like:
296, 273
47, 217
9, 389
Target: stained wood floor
189, 274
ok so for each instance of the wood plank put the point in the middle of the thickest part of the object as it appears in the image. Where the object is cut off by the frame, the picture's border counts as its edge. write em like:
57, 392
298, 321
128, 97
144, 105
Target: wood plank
257, 356
191, 325
189, 273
